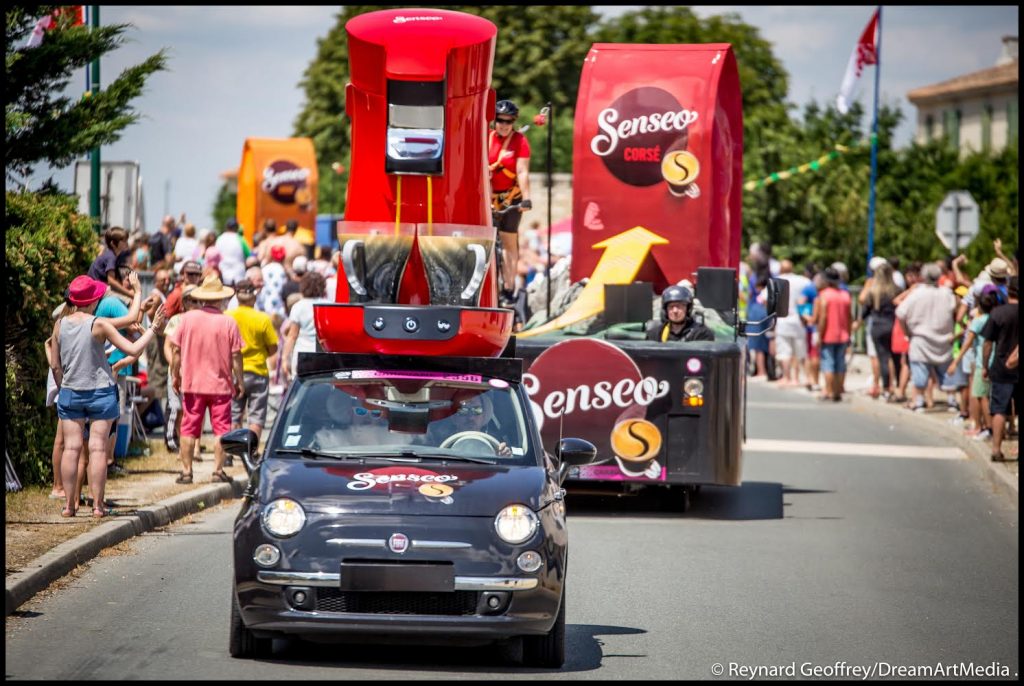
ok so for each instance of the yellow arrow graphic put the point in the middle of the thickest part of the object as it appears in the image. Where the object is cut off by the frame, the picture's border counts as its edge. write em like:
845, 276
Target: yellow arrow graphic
623, 256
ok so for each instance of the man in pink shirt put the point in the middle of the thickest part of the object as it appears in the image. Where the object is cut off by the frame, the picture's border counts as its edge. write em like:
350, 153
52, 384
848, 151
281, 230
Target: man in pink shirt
207, 371
832, 319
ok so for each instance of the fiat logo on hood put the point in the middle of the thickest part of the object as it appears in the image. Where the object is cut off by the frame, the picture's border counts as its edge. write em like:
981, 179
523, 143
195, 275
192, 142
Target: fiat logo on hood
398, 543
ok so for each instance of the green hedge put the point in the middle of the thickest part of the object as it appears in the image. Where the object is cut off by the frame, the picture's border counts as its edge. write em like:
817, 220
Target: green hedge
47, 245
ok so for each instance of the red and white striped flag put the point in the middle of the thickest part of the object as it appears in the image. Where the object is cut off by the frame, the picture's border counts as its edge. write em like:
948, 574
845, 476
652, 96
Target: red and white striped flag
864, 53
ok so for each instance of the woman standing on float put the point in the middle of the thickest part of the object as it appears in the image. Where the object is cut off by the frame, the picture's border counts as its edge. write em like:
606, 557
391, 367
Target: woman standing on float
508, 159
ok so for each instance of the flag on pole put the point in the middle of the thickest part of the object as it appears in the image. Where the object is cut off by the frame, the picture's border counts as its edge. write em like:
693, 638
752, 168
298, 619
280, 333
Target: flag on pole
35, 39
864, 53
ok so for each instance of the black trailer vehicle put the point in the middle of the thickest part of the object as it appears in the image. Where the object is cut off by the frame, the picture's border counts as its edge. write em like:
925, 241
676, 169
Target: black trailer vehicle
669, 414
403, 496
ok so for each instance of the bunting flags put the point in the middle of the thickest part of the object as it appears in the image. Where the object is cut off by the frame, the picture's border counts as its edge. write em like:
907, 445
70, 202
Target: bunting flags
813, 165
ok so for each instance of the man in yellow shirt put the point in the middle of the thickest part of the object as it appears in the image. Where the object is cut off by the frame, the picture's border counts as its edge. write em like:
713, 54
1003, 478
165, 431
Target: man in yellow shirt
259, 342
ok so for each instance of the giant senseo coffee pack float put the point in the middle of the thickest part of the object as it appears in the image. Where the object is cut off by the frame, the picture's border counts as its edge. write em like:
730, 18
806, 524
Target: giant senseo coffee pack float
658, 144
657, 164
417, 272
277, 180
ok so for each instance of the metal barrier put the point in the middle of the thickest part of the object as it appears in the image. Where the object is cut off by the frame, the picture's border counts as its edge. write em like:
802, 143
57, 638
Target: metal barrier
146, 280
858, 339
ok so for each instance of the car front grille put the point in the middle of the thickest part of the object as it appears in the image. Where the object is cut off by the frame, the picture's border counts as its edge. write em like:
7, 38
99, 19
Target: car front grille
397, 603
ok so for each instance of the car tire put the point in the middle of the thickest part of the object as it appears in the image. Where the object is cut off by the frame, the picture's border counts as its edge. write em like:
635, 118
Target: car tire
547, 650
242, 643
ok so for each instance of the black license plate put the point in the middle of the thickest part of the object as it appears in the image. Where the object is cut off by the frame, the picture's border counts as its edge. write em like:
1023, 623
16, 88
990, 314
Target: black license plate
369, 576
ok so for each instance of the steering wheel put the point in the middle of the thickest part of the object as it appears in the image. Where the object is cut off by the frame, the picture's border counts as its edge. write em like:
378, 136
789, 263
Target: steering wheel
462, 436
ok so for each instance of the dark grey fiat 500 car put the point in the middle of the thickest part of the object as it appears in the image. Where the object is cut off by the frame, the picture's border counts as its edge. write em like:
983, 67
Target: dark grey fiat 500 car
403, 496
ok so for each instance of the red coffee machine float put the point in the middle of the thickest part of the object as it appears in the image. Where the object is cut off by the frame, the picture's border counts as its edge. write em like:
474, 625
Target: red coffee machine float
417, 273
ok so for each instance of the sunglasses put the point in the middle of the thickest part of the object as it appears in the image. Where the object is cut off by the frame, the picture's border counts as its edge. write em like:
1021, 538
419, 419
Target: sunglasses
195, 274
505, 121
471, 409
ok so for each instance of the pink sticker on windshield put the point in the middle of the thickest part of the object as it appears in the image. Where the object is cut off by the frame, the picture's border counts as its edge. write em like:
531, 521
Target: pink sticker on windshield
426, 376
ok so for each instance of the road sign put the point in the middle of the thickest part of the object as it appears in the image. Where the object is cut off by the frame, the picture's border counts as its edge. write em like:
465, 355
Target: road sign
956, 220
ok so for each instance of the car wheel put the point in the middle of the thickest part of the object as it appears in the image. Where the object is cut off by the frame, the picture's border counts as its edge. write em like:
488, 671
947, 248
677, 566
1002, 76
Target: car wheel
242, 643
547, 650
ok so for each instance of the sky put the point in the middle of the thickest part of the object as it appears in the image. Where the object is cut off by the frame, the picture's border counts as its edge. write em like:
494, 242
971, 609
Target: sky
235, 74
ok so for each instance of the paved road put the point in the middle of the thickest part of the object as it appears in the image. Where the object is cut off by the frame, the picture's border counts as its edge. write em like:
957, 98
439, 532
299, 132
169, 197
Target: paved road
874, 554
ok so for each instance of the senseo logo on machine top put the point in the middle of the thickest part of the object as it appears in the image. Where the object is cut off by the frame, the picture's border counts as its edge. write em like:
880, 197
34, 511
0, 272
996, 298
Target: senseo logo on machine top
287, 182
640, 134
591, 377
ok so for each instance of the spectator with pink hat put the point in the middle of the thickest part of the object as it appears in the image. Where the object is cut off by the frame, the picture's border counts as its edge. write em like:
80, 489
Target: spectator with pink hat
88, 390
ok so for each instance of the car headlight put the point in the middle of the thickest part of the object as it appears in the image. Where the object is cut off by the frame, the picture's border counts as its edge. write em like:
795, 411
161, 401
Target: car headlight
283, 517
516, 524
693, 387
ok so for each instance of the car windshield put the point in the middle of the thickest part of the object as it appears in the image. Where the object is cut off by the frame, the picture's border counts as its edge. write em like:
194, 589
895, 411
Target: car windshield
406, 414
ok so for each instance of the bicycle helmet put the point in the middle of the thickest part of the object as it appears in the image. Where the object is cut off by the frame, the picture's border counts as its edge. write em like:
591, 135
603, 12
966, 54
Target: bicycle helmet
506, 107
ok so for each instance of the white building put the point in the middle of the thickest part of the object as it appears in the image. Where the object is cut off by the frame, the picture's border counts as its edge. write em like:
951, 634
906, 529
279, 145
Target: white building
975, 112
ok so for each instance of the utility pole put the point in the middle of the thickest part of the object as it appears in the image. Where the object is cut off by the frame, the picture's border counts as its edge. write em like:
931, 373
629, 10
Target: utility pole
94, 156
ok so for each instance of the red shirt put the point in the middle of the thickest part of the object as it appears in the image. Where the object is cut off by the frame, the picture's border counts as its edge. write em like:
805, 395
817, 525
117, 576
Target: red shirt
837, 316
518, 148
207, 338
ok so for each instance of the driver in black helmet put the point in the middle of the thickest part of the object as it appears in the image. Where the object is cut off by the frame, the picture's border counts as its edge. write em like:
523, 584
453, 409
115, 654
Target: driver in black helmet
508, 160
677, 322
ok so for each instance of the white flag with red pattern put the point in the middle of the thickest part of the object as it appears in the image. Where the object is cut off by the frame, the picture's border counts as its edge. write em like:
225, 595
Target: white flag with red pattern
864, 53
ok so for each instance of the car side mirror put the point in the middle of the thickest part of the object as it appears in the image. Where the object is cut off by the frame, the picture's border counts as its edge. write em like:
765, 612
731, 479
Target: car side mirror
243, 443
576, 452
777, 298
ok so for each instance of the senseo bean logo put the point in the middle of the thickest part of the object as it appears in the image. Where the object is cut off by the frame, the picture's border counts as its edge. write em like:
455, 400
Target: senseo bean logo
386, 477
637, 131
287, 182
577, 385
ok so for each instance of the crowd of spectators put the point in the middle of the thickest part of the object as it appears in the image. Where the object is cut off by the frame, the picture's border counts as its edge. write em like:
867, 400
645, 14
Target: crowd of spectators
933, 328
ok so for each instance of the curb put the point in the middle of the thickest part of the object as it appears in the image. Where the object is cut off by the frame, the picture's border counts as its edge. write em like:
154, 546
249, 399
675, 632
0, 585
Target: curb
44, 570
997, 474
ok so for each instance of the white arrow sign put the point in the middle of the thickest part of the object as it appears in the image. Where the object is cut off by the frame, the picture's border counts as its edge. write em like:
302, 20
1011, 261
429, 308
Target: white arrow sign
956, 220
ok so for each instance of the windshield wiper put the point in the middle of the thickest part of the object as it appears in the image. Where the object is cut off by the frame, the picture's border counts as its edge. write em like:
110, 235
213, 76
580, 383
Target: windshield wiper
447, 456
316, 454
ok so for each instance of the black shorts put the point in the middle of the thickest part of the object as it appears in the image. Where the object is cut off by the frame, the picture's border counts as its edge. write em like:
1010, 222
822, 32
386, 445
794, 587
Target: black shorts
1000, 396
509, 221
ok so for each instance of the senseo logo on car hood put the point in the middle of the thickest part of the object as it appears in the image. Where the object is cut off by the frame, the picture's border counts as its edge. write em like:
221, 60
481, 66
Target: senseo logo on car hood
411, 477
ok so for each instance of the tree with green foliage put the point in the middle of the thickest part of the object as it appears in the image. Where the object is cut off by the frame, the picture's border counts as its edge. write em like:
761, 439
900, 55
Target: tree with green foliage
47, 243
43, 123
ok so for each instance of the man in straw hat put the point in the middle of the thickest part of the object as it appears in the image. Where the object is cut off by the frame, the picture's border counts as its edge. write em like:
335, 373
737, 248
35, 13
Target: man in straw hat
206, 367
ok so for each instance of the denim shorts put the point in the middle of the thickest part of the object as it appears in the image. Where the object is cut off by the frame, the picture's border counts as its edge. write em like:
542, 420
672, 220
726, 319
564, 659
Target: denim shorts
920, 371
833, 358
98, 403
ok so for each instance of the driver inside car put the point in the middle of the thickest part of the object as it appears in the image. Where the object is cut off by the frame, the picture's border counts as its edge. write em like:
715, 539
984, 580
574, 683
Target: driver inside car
347, 424
473, 414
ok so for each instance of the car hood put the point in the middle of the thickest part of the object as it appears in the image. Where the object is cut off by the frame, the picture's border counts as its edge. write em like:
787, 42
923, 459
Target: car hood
423, 489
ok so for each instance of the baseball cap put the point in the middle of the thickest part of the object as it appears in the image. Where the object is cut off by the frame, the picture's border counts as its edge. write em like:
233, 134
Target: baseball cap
192, 266
876, 262
299, 264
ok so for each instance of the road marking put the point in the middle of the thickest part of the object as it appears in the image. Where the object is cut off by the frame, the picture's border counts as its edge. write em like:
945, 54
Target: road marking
930, 452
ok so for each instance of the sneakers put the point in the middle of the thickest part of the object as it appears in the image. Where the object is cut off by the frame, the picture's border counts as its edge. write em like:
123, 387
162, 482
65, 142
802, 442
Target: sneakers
983, 435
